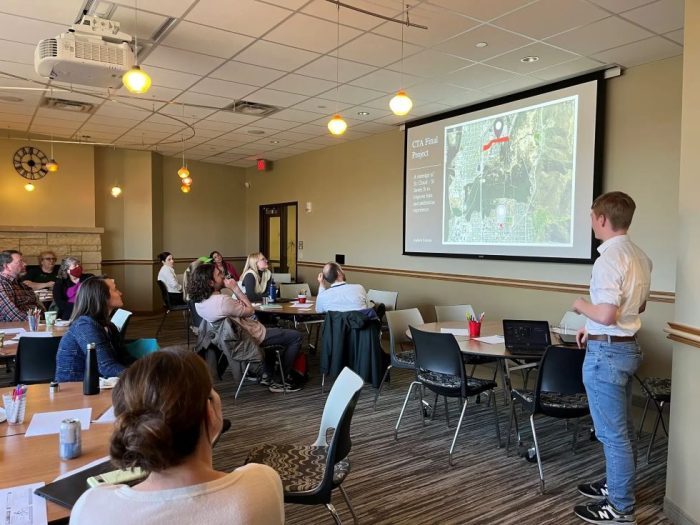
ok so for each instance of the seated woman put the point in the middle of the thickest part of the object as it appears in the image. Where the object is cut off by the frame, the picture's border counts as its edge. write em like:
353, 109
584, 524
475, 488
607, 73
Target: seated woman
45, 274
97, 298
167, 417
169, 278
225, 267
256, 277
70, 278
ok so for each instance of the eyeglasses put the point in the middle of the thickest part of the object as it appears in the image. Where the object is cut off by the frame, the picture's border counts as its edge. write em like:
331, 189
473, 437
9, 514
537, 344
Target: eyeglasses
49, 258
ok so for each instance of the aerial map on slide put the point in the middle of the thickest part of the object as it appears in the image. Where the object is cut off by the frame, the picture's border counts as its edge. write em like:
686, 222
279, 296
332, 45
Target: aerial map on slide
509, 179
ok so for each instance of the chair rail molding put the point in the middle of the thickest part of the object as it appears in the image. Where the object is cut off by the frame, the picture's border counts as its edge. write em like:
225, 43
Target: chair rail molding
683, 333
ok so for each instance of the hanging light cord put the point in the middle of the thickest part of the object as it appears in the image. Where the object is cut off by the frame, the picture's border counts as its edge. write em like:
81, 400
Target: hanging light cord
337, 60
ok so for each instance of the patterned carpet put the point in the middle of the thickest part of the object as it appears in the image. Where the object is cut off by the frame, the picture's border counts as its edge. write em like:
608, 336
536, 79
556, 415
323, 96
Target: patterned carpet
409, 481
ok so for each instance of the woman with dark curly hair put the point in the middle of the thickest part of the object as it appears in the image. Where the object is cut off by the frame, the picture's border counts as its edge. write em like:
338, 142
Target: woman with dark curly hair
167, 417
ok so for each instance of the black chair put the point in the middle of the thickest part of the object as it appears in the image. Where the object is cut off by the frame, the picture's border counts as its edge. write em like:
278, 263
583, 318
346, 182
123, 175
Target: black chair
169, 307
35, 361
559, 393
310, 472
658, 390
440, 369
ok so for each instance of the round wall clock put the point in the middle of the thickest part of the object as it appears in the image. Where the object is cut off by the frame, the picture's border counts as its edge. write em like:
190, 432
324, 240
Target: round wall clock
30, 163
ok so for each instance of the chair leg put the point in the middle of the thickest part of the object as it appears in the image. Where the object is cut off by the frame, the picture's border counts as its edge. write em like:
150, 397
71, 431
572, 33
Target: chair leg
575, 441
245, 373
510, 425
284, 381
644, 416
405, 401
379, 390
447, 410
504, 380
323, 382
421, 405
334, 513
495, 417
160, 326
349, 504
537, 451
459, 425
653, 434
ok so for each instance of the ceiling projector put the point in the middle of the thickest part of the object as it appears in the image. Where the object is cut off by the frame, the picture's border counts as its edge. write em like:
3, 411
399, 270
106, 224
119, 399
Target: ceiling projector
93, 53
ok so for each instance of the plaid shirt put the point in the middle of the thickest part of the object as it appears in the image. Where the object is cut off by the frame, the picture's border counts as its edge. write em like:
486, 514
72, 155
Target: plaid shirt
15, 299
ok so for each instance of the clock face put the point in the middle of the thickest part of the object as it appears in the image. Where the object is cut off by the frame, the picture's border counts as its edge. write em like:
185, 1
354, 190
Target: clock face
30, 163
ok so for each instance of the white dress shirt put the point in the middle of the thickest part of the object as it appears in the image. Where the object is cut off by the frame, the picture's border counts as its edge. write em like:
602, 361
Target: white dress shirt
341, 297
621, 277
167, 275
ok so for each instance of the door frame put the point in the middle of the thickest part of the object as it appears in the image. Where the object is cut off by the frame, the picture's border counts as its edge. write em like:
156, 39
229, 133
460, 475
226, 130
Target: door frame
262, 229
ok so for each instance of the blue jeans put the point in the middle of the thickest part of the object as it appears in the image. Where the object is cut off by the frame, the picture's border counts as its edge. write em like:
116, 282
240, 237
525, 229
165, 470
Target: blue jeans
607, 374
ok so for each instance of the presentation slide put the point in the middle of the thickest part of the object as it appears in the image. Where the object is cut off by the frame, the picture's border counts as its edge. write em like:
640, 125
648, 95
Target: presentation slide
511, 180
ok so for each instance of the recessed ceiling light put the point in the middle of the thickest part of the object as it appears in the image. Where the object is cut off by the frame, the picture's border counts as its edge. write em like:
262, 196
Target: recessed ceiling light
363, 113
529, 59
256, 132
481, 44
8, 98
274, 142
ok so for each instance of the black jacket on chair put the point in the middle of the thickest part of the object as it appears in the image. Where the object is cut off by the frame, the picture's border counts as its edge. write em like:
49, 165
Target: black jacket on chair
352, 339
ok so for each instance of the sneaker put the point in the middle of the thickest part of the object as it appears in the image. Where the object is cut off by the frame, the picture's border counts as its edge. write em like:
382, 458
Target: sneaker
265, 380
602, 512
279, 387
596, 490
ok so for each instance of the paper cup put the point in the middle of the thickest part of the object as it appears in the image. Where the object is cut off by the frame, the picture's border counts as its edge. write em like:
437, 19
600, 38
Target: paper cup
301, 298
50, 318
474, 329
14, 409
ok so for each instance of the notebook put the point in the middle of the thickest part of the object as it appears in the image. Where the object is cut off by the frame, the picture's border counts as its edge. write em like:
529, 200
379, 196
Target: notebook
66, 491
526, 337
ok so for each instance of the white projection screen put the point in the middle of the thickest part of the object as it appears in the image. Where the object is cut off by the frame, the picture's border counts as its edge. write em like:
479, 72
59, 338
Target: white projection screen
512, 178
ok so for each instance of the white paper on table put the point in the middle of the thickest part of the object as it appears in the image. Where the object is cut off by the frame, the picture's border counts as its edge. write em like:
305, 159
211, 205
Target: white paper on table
22, 507
11, 341
491, 339
302, 305
455, 331
44, 423
107, 417
80, 469
33, 334
12, 330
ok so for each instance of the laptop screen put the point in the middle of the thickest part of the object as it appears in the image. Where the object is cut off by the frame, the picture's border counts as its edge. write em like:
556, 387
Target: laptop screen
526, 334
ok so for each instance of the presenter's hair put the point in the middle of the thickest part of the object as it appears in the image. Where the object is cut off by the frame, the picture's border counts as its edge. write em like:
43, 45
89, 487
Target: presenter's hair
618, 208
160, 404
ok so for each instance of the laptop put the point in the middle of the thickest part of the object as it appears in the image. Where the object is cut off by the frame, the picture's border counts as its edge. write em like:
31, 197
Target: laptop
526, 337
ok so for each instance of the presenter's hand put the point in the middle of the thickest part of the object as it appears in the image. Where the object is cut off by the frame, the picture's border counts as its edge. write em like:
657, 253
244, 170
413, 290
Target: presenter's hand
581, 337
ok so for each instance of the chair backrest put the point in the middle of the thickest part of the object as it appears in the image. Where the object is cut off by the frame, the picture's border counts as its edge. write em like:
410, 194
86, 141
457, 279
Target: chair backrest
282, 278
164, 294
291, 291
399, 321
457, 312
389, 299
35, 361
345, 387
437, 352
561, 371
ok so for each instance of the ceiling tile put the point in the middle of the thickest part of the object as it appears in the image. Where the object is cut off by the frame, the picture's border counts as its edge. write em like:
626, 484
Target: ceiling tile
275, 56
17, 52
618, 6
310, 33
27, 30
513, 85
430, 64
548, 56
441, 26
295, 136
180, 60
327, 11
222, 88
246, 73
301, 84
598, 36
498, 40
193, 111
170, 78
660, 17
156, 93
173, 8
352, 94
387, 81
327, 67
59, 115
63, 12
376, 50
207, 40
273, 123
122, 111
322, 106
233, 118
676, 36
481, 9
373, 127
549, 17
275, 98
478, 76
568, 69
248, 18
436, 91
655, 48
295, 115
148, 23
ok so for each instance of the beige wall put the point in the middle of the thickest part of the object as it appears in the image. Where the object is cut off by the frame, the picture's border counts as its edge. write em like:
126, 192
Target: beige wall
356, 190
64, 198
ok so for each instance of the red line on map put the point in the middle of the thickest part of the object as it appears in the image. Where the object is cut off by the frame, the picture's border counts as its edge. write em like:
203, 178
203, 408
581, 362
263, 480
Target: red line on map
491, 142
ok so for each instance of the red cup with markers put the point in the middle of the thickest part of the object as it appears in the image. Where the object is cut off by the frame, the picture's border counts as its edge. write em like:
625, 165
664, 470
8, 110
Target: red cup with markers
474, 328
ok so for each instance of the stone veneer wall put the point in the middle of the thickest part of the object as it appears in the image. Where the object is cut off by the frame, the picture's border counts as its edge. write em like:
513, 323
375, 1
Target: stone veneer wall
86, 245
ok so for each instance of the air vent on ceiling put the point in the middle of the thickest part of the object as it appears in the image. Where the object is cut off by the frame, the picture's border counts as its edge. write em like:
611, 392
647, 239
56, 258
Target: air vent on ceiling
73, 106
251, 108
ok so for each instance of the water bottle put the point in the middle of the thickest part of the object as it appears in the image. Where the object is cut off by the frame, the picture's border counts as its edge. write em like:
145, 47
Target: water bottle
91, 380
273, 291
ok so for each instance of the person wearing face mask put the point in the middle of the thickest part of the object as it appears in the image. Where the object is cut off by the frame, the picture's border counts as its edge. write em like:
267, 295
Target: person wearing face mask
167, 418
65, 290
97, 299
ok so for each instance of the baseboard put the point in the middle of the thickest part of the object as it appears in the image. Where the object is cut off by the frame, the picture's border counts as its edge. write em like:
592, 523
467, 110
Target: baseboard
676, 514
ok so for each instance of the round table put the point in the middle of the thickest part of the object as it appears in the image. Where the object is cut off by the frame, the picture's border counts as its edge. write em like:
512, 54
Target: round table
289, 308
9, 348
